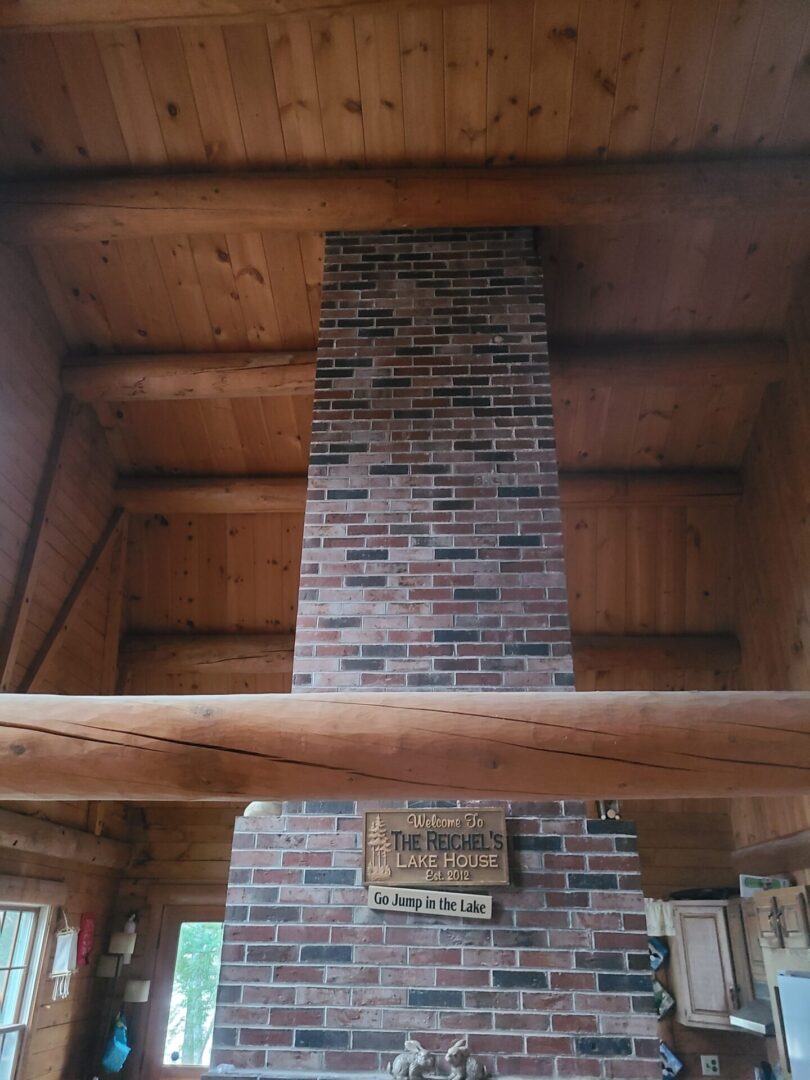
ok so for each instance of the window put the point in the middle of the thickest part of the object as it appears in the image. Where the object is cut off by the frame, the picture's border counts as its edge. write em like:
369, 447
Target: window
194, 994
184, 991
22, 936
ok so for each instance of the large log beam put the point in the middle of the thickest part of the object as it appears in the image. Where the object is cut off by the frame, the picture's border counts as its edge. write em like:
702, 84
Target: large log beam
287, 494
93, 209
60, 15
672, 487
193, 375
693, 364
656, 652
393, 745
272, 654
169, 376
20, 832
206, 654
226, 495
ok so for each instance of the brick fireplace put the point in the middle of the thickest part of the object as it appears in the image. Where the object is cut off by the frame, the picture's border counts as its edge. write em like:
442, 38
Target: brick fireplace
433, 559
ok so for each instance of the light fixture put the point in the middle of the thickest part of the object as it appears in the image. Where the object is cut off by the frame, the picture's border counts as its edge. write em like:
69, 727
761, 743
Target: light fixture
137, 990
122, 944
107, 967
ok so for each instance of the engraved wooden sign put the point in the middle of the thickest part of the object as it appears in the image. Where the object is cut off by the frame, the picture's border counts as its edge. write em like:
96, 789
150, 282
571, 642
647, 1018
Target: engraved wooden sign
454, 847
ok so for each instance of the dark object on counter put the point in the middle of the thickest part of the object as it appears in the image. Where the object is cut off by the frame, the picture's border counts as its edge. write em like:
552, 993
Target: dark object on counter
722, 892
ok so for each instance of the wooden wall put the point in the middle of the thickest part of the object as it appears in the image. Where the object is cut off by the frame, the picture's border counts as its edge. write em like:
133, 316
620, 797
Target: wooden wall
30, 350
30, 353
31, 347
773, 563
66, 1035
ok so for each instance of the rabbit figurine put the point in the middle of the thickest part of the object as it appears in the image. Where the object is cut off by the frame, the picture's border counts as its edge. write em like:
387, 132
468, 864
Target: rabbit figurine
412, 1063
462, 1066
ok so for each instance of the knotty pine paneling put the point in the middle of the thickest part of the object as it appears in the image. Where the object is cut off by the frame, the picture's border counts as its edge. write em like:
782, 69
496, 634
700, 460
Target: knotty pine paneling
650, 569
202, 572
536, 80
773, 563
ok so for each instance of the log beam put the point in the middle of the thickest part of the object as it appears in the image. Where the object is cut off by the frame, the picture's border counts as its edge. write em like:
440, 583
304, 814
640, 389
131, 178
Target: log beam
694, 364
393, 745
182, 376
206, 654
687, 488
49, 16
656, 652
190, 375
287, 494
272, 654
32, 556
202, 495
128, 207
33, 836
72, 604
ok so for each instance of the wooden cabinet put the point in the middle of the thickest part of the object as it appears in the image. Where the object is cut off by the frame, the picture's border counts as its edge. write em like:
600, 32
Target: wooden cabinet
704, 975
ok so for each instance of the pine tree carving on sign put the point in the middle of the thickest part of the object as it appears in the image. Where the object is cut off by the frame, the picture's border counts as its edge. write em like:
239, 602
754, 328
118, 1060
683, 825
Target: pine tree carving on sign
378, 845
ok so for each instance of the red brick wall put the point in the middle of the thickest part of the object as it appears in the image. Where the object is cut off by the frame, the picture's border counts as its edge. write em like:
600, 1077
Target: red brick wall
432, 544
433, 558
555, 985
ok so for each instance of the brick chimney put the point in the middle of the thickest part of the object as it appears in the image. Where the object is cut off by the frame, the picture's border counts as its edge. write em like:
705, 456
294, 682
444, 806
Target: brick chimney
433, 559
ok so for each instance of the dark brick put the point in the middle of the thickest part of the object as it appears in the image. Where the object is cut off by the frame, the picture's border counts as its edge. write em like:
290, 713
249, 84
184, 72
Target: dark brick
326, 954
435, 999
525, 979
321, 1039
522, 842
603, 1046
593, 881
623, 984
330, 877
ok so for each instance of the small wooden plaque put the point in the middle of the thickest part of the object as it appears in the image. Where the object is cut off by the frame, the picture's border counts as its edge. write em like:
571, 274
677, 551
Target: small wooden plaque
448, 848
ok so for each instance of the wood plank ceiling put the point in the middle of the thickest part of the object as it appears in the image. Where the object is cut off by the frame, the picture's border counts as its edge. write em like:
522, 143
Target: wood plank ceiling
517, 81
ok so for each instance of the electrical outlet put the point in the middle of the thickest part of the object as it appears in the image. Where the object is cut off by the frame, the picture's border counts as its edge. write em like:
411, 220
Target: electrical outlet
710, 1064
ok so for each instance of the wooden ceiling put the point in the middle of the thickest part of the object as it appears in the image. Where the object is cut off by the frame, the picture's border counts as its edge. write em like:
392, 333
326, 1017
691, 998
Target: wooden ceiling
513, 81
506, 83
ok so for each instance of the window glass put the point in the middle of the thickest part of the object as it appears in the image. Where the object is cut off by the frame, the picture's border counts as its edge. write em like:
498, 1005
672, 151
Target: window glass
22, 936
194, 995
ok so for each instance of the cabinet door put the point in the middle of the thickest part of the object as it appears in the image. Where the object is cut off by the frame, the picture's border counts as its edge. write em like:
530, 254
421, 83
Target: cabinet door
706, 985
792, 908
755, 958
767, 920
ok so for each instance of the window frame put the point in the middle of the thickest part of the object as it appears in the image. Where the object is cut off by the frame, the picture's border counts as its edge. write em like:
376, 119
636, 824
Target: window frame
32, 968
172, 918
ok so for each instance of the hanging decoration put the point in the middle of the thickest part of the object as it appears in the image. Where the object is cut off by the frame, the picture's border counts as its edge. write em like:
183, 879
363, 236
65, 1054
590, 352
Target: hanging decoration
87, 933
117, 1049
64, 959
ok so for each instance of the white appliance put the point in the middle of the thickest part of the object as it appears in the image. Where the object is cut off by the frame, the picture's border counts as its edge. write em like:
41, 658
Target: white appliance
794, 998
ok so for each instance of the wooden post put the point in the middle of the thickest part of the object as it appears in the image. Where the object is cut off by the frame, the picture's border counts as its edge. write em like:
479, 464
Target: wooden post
395, 745
28, 572
71, 604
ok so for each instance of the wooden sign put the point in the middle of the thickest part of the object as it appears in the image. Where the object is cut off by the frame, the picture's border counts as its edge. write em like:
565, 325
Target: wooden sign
424, 902
453, 847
